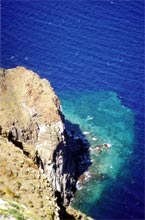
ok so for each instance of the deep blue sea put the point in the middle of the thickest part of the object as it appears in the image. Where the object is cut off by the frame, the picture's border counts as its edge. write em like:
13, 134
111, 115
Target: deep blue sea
92, 52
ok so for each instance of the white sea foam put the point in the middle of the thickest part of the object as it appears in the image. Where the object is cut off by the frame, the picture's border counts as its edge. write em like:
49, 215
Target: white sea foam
107, 145
12, 57
90, 118
86, 132
79, 186
87, 175
94, 139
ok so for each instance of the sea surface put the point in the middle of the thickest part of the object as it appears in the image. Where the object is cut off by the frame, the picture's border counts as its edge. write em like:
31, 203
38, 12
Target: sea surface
92, 53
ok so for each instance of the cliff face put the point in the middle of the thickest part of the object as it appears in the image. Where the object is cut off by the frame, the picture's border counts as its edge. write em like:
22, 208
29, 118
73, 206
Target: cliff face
22, 182
31, 118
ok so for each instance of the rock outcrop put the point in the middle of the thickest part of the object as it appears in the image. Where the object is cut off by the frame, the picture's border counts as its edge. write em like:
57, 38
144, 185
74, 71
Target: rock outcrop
22, 182
31, 118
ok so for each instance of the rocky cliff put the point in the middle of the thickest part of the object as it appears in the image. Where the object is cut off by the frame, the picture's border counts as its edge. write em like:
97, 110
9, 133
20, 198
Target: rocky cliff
31, 120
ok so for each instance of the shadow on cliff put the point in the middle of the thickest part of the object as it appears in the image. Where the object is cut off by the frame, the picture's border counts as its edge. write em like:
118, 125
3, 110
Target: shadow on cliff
72, 160
78, 146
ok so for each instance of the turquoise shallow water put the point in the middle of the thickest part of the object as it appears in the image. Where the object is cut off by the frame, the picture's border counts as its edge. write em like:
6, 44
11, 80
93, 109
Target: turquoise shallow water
103, 119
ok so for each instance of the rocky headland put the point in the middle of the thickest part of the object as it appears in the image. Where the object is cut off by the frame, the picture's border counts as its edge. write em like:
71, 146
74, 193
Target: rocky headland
42, 154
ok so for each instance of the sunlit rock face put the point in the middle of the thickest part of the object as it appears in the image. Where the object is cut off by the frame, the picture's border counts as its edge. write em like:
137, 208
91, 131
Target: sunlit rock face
31, 118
